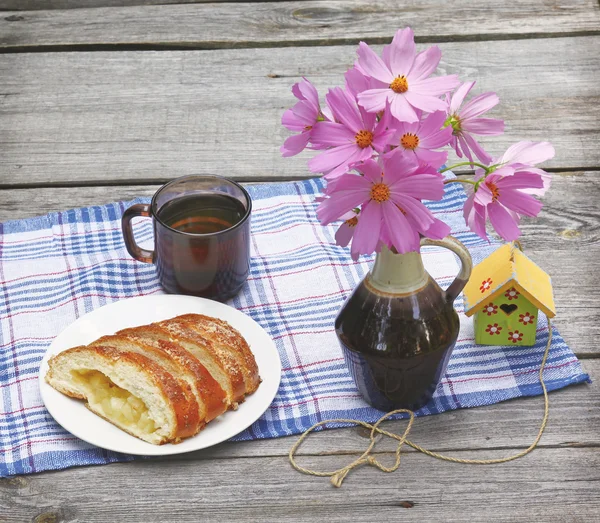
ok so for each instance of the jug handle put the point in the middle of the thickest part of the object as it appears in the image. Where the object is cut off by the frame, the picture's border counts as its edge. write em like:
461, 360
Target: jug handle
449, 242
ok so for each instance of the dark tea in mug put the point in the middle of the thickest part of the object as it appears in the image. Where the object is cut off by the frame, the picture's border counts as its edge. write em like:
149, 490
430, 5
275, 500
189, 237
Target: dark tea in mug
201, 236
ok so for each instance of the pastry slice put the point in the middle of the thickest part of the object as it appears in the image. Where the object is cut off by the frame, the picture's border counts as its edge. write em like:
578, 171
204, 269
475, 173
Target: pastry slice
128, 389
220, 364
211, 397
227, 338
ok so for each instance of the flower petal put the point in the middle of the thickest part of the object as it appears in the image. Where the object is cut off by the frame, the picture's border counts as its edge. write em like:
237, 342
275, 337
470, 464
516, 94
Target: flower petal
484, 126
374, 100
479, 105
344, 109
331, 134
434, 158
416, 212
437, 230
503, 222
434, 86
401, 234
401, 108
530, 153
432, 124
421, 186
372, 65
425, 63
294, 144
356, 82
521, 180
371, 170
339, 203
520, 202
426, 103
332, 158
479, 151
402, 52
368, 229
459, 96
344, 234
474, 215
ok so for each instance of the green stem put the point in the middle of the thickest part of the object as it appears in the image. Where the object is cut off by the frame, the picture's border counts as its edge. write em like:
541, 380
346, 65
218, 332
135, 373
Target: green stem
470, 182
464, 163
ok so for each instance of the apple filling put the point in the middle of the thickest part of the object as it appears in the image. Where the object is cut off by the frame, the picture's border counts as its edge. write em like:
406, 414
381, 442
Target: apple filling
115, 403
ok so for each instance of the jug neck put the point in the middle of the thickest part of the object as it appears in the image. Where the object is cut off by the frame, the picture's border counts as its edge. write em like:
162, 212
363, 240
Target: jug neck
398, 273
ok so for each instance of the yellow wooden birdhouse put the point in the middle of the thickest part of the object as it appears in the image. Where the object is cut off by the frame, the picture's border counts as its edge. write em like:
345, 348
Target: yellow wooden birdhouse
505, 293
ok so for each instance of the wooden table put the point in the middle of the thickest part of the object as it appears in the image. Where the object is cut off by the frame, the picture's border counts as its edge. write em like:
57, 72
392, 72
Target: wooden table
108, 100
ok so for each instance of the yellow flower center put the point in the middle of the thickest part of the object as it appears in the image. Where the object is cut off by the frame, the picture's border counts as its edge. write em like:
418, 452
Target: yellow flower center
399, 85
380, 192
495, 192
352, 222
364, 138
409, 141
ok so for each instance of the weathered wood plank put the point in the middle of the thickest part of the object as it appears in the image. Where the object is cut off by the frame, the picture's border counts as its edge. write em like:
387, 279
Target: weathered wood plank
290, 23
128, 116
34, 5
548, 485
565, 235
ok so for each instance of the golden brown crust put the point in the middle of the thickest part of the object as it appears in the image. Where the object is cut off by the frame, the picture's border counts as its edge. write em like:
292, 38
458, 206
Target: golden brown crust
221, 332
181, 330
211, 393
184, 407
224, 351
113, 342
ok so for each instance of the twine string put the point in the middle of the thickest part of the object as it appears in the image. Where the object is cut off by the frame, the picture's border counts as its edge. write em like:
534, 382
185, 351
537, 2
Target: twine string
366, 458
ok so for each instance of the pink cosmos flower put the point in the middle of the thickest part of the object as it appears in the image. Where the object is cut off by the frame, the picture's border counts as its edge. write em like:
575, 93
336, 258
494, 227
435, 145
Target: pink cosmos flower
418, 139
403, 78
464, 121
302, 117
345, 231
391, 207
502, 197
353, 137
522, 155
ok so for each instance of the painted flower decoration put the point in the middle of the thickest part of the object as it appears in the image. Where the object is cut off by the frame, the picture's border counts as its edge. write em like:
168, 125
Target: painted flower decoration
419, 139
403, 78
515, 336
511, 294
526, 318
486, 285
493, 329
490, 309
354, 136
390, 200
465, 121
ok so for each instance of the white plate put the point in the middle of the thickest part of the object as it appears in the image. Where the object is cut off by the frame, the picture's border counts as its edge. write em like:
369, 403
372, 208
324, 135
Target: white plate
77, 419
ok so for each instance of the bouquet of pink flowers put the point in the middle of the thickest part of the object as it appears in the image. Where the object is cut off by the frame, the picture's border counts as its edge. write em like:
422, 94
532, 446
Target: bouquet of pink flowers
389, 124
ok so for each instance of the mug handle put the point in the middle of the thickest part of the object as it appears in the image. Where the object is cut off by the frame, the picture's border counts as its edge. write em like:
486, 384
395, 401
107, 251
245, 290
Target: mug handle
449, 242
133, 248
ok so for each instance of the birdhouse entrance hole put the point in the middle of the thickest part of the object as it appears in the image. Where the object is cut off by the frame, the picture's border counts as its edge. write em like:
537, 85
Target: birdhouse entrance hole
508, 308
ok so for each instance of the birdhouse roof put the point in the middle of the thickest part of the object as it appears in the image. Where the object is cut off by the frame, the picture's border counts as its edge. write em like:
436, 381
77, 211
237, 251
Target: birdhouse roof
508, 267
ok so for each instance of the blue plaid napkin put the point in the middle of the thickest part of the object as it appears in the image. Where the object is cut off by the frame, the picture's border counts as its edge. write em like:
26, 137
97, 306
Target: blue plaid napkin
55, 268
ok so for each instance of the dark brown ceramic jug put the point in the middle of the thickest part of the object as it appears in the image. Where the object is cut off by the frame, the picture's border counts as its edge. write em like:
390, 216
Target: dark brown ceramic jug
398, 328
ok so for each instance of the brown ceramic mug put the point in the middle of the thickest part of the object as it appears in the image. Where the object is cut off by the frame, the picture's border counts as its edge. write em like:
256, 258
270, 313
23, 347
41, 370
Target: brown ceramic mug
201, 236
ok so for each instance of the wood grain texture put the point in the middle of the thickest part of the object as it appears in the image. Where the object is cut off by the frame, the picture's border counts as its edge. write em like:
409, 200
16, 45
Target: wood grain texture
564, 239
128, 116
325, 22
549, 485
34, 5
